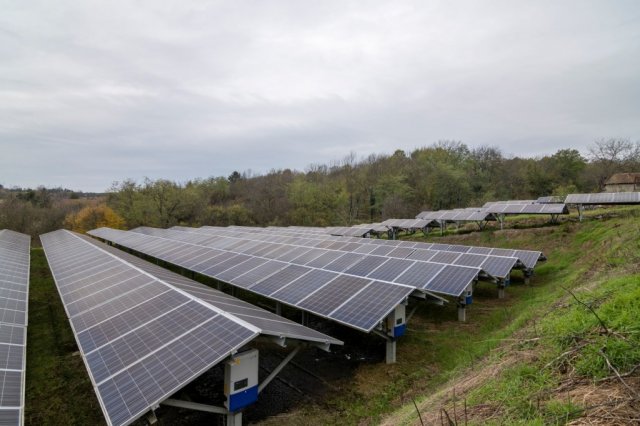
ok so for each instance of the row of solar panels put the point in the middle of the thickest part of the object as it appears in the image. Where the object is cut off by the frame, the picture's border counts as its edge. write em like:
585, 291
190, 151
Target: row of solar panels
358, 257
490, 211
602, 198
14, 296
145, 332
362, 252
527, 258
286, 275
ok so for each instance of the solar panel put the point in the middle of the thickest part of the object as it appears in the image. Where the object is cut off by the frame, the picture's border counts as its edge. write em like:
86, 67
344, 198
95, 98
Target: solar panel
419, 274
14, 295
294, 293
323, 260
279, 279
364, 266
445, 257
390, 269
345, 261
604, 198
469, 259
255, 275
334, 294
136, 349
373, 302
451, 280
301, 288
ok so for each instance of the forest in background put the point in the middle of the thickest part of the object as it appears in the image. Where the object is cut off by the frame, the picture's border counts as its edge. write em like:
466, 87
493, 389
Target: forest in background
445, 175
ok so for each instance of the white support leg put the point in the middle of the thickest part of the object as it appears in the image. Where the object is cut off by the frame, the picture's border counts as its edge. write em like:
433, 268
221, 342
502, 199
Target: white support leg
234, 419
391, 352
462, 313
501, 293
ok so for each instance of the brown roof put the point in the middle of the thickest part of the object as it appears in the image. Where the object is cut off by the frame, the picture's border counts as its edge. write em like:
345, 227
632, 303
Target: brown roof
622, 178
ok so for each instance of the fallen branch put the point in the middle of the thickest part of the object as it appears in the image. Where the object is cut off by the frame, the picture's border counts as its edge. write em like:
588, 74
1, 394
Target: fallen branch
565, 354
418, 411
627, 374
604, 326
612, 368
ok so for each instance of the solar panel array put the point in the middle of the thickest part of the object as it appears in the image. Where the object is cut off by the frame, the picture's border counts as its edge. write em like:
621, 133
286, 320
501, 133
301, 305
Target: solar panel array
408, 223
493, 203
268, 323
604, 198
550, 199
14, 297
491, 265
363, 302
526, 258
349, 231
557, 208
471, 214
141, 339
334, 254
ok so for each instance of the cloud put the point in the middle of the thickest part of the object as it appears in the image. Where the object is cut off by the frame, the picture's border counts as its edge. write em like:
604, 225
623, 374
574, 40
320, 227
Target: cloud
93, 92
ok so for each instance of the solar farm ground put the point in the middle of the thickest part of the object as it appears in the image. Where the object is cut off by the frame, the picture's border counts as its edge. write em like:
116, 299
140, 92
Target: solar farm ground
495, 362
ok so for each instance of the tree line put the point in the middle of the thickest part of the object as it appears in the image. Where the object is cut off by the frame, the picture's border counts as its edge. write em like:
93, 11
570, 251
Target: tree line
445, 175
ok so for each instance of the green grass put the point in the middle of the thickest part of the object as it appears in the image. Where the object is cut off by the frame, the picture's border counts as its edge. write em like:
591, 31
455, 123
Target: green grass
58, 390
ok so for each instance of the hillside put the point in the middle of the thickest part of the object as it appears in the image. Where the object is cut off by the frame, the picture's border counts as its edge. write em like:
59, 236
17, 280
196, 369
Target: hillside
539, 356
573, 353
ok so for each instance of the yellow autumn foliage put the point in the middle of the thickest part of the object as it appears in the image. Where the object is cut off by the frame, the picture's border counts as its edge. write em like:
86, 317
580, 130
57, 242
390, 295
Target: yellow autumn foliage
92, 217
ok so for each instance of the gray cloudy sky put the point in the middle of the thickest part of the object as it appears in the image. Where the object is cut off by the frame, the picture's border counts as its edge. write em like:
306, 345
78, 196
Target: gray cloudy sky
93, 92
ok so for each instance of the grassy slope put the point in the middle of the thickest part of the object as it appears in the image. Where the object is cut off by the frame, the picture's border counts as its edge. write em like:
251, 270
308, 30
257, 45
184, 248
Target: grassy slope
58, 390
599, 260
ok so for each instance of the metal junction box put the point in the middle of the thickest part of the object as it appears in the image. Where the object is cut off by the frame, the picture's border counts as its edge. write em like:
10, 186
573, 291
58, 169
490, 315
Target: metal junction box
396, 322
241, 380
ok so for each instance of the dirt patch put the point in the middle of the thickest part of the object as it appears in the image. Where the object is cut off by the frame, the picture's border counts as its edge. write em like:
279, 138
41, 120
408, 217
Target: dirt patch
608, 403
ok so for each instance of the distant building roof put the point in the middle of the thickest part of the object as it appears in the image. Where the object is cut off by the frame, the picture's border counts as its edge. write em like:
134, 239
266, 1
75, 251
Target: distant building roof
622, 178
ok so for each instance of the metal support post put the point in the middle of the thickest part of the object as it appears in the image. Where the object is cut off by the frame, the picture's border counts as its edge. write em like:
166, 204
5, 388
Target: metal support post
501, 292
278, 369
305, 318
390, 357
580, 209
194, 406
278, 308
151, 418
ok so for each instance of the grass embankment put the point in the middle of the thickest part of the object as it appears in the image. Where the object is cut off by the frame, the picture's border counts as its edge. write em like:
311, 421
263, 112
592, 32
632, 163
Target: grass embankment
58, 390
563, 353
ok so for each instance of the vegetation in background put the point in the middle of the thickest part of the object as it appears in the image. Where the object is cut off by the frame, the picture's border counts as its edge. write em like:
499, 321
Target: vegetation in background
92, 217
445, 175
